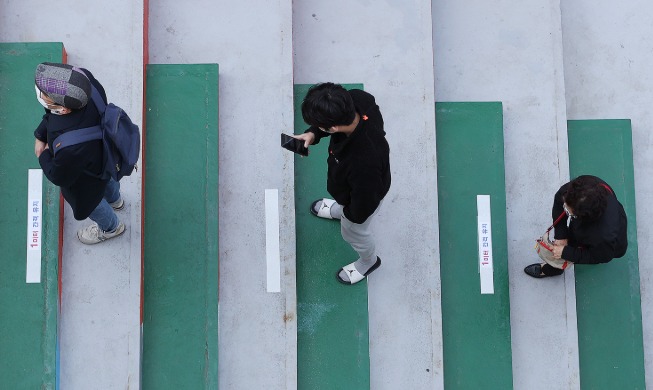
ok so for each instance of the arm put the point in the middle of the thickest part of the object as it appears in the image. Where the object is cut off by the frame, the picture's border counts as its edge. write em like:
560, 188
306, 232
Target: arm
601, 253
39, 147
604, 239
317, 134
62, 170
41, 138
41, 132
561, 229
307, 137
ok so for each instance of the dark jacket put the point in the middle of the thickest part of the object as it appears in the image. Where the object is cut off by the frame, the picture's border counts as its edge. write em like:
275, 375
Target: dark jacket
359, 164
74, 167
593, 242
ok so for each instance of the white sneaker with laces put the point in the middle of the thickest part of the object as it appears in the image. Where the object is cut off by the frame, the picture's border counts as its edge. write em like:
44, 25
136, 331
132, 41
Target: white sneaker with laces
93, 234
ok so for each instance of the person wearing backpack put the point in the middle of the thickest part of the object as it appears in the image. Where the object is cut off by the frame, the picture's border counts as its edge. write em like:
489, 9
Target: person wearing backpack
65, 93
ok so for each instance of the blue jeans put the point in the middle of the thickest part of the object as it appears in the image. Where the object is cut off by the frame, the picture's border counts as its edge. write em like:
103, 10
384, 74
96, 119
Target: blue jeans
103, 214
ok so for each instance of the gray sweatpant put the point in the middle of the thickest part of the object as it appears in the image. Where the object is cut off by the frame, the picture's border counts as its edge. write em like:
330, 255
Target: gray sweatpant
358, 235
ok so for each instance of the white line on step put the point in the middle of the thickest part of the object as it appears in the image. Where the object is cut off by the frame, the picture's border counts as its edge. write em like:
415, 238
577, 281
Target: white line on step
485, 266
34, 224
272, 240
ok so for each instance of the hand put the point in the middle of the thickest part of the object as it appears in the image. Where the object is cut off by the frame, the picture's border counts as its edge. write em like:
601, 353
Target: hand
562, 242
39, 147
308, 138
557, 251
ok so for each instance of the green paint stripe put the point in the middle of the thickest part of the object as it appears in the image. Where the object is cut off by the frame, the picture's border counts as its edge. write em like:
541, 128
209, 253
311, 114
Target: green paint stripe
180, 319
28, 324
332, 328
607, 295
476, 328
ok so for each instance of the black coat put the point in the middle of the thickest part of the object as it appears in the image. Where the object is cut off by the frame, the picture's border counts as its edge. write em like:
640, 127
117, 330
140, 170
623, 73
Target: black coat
593, 242
75, 167
358, 175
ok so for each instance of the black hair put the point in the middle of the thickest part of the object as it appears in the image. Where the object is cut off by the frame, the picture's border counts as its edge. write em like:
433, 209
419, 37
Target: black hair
588, 197
327, 105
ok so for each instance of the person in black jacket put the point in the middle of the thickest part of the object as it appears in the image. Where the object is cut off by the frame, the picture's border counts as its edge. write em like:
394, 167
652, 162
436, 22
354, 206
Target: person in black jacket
358, 176
65, 93
597, 231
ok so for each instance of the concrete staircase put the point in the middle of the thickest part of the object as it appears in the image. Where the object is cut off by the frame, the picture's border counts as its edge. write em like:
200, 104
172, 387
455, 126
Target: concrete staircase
546, 61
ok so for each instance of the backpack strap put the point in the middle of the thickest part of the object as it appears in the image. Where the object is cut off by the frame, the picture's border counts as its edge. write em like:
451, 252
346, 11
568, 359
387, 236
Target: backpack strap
97, 100
76, 137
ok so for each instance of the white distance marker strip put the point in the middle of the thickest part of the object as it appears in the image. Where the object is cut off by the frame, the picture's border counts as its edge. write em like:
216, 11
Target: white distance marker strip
485, 266
272, 251
34, 223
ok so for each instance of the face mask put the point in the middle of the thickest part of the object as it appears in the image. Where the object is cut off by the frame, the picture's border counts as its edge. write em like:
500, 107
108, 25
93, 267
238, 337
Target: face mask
38, 97
55, 111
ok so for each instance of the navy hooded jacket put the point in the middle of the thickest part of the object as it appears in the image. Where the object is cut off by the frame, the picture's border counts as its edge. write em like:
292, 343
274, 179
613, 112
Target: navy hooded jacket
75, 167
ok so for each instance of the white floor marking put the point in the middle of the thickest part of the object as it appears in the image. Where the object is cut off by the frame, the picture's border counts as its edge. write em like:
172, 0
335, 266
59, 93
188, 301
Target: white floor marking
34, 222
272, 240
485, 266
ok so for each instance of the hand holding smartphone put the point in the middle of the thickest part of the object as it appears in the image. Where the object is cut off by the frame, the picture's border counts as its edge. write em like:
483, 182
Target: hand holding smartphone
293, 144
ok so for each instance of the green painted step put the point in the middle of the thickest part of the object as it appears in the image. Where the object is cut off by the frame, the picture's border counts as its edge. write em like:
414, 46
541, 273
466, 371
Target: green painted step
475, 327
332, 319
180, 303
608, 295
28, 323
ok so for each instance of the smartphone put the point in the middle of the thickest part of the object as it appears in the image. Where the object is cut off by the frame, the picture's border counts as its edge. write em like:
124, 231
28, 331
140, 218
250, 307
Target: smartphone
293, 144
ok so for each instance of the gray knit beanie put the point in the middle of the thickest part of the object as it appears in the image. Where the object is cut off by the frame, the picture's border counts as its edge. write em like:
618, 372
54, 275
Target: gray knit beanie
66, 85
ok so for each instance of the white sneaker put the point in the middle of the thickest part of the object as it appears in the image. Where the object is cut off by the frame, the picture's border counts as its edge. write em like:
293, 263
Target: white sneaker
118, 205
93, 234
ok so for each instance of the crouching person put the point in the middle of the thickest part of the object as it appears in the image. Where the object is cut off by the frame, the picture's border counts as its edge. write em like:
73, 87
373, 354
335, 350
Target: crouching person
597, 229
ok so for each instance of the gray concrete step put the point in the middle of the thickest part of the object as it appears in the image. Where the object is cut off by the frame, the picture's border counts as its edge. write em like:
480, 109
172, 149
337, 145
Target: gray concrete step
252, 43
512, 53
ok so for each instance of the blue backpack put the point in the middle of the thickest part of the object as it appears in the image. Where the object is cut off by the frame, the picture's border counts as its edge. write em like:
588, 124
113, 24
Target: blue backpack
119, 135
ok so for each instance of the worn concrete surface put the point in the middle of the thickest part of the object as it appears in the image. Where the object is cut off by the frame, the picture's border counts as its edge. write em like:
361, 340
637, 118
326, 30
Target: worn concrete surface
387, 46
512, 52
251, 41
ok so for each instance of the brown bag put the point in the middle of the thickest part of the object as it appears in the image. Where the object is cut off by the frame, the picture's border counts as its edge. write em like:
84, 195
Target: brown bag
544, 248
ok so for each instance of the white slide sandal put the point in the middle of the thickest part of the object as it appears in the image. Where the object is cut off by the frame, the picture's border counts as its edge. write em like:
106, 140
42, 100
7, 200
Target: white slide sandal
354, 275
325, 208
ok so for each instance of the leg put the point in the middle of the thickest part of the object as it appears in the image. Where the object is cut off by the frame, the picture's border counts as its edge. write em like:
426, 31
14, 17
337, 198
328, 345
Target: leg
112, 195
551, 271
361, 239
336, 211
359, 236
108, 225
104, 216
